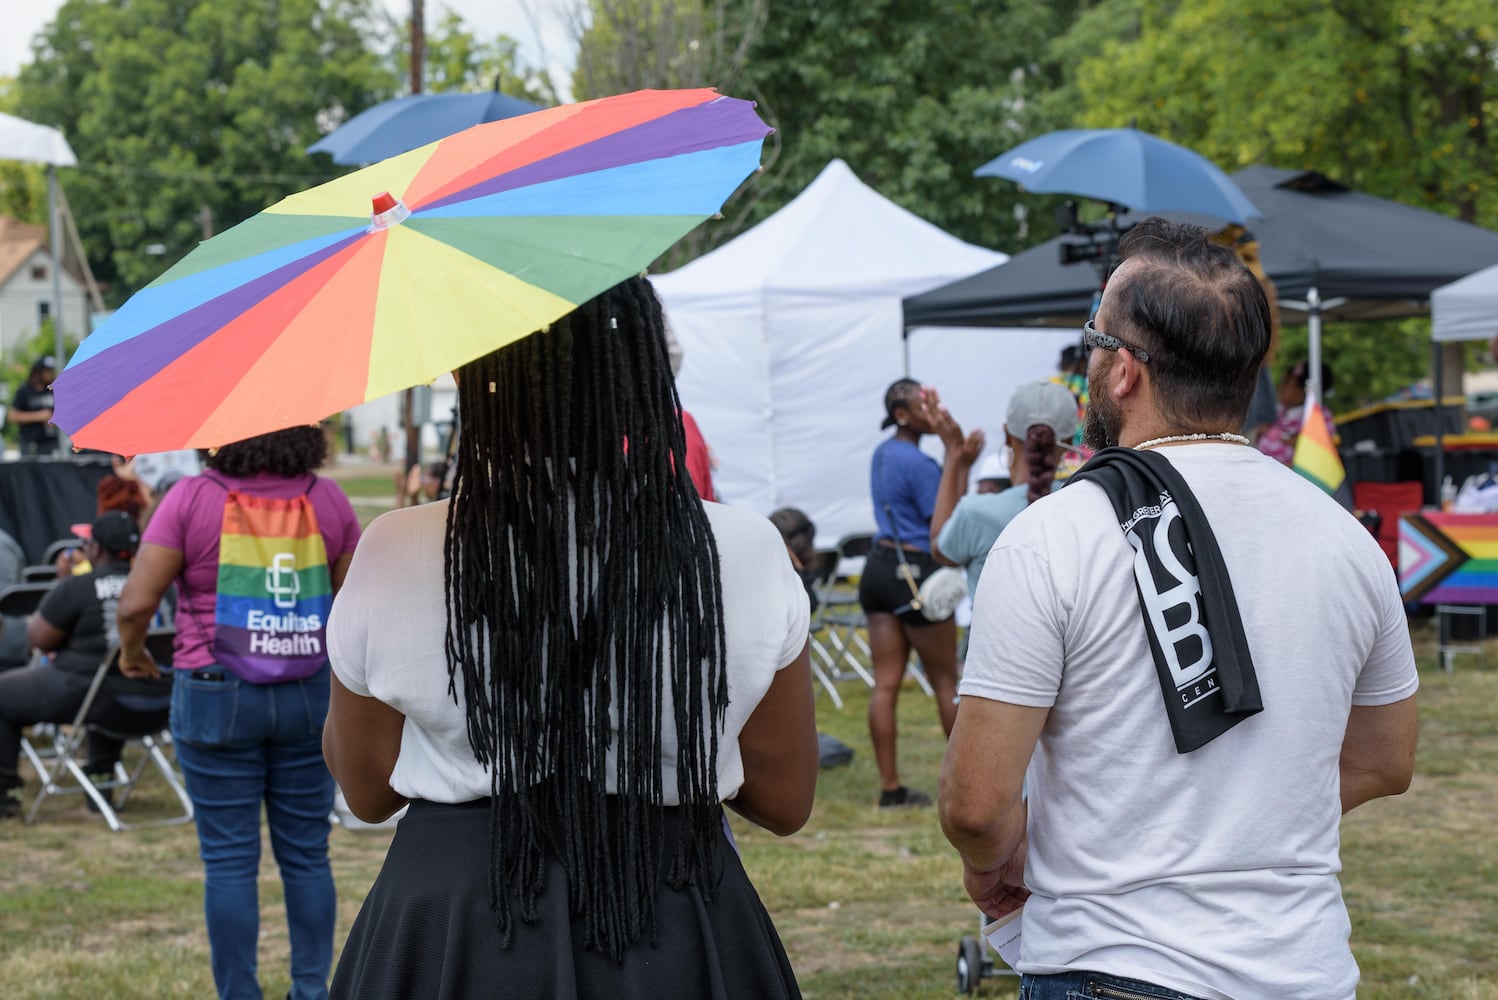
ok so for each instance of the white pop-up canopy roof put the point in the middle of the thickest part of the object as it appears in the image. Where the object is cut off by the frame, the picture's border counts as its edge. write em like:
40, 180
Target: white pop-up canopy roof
32, 143
1466, 309
792, 332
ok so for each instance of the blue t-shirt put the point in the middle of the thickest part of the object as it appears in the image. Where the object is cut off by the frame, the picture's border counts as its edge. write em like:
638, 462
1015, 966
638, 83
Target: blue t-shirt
974, 526
905, 479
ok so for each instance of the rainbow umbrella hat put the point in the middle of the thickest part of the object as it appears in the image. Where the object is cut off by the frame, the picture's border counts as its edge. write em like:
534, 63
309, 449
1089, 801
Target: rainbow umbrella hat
317, 305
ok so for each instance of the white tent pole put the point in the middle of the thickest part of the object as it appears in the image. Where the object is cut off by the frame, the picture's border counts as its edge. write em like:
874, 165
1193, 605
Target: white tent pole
1313, 356
54, 227
905, 347
1440, 463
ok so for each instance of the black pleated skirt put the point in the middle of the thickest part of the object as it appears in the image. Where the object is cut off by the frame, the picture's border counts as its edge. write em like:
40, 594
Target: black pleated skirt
426, 931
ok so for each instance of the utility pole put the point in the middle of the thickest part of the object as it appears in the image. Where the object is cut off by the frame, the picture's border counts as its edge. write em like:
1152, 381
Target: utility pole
408, 399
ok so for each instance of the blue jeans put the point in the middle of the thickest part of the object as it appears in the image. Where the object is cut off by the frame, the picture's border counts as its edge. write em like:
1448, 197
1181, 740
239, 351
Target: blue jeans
240, 744
1082, 985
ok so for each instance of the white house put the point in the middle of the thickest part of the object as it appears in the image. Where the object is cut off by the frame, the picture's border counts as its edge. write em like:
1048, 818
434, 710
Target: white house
26, 286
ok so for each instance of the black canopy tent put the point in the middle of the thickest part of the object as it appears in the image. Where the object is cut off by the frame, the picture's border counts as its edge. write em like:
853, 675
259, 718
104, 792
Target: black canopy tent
1380, 258
1333, 253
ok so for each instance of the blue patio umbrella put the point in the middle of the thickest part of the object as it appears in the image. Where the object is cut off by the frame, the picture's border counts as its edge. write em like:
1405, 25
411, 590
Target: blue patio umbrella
1125, 167
406, 123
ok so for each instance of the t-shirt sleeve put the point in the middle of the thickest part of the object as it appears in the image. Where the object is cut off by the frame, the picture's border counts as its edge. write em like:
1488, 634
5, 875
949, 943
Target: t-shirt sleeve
168, 525
797, 614
958, 539
342, 533
348, 625
1389, 674
64, 603
1016, 649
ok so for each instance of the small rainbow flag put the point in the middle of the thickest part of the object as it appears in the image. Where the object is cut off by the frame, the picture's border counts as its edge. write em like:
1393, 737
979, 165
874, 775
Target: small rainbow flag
1316, 456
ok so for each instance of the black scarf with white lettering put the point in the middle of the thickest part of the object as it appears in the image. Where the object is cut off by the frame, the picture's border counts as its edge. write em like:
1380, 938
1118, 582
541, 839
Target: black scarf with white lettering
1190, 614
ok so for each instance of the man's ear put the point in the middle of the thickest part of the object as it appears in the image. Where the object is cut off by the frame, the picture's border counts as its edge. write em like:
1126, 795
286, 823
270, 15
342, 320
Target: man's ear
1127, 375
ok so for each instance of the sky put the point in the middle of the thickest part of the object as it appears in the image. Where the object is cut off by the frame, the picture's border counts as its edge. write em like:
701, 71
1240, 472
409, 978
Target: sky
543, 36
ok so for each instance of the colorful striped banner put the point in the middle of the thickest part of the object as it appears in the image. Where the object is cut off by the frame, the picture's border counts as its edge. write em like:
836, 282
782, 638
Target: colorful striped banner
1447, 558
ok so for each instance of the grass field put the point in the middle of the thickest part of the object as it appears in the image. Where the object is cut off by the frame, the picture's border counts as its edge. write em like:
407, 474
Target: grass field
869, 904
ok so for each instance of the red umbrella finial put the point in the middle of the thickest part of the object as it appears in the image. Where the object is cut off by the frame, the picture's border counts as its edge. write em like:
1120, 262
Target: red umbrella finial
388, 211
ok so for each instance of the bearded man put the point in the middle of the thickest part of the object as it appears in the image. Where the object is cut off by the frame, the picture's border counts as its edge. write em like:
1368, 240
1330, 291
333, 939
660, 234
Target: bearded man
1201, 660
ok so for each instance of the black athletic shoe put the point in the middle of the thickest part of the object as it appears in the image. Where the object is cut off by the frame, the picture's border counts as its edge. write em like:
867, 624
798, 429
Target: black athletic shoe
11, 797
903, 798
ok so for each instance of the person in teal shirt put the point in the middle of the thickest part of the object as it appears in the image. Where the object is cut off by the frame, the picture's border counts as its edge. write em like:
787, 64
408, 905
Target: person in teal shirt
1039, 423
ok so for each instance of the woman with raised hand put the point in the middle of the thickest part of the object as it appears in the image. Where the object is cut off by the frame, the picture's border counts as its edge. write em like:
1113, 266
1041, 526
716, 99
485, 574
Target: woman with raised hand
567, 669
904, 481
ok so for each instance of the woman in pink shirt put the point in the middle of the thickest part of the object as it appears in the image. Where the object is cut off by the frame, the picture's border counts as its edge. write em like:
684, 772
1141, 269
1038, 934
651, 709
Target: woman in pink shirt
250, 683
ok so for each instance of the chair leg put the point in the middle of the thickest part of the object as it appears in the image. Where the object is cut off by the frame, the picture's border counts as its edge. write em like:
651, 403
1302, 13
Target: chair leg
847, 653
66, 766
169, 774
915, 670
827, 684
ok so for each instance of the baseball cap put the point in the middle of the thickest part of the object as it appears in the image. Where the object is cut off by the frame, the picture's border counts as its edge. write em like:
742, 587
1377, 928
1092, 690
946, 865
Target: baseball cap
992, 467
43, 363
116, 533
1047, 403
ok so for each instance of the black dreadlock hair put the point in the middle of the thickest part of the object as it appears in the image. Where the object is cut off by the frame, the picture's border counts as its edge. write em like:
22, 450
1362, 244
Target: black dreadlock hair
584, 601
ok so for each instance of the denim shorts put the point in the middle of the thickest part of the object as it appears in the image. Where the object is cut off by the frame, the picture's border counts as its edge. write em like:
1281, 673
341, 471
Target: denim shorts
1094, 986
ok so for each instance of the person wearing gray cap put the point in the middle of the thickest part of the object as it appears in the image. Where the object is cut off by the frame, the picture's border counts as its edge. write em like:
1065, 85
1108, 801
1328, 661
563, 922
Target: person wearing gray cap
1040, 421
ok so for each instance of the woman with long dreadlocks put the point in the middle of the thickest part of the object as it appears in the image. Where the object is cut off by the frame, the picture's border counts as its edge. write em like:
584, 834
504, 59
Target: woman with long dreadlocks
567, 669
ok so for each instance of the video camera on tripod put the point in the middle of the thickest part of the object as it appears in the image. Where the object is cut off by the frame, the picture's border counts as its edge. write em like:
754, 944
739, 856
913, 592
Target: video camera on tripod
1101, 238
1099, 246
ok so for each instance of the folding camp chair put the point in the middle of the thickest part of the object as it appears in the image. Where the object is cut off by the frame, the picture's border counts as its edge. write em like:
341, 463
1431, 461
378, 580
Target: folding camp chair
823, 566
58, 547
40, 573
61, 768
21, 599
16, 602
841, 620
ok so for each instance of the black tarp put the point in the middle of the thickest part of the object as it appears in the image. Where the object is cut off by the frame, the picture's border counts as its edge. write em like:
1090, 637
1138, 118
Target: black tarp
40, 499
1385, 258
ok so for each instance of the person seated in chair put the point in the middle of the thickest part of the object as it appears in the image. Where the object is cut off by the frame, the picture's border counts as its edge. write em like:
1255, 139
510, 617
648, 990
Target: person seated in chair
800, 544
76, 624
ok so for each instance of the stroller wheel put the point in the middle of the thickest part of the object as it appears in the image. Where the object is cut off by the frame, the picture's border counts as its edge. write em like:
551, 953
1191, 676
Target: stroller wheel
969, 965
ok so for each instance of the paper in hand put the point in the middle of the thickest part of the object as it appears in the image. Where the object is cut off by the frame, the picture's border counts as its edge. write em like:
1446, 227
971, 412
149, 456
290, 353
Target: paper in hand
1003, 936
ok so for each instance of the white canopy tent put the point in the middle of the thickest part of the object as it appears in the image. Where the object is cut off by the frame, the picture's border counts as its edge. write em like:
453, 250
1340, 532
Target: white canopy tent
32, 143
792, 332
1466, 309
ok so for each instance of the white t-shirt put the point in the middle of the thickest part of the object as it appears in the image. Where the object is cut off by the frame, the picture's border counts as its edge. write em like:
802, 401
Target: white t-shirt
388, 626
1215, 872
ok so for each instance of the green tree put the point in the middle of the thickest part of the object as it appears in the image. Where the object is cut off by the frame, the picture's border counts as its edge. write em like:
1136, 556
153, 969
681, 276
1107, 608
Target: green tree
914, 97
625, 45
1391, 98
455, 59
23, 186
189, 115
